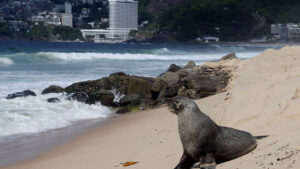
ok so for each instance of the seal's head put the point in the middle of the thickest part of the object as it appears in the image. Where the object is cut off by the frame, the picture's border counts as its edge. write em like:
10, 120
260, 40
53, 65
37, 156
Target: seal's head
178, 104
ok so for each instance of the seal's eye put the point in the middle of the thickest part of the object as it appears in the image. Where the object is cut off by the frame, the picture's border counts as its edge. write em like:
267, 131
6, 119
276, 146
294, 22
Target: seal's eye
177, 105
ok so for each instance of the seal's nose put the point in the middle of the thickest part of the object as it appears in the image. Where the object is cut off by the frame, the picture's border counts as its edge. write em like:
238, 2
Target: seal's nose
169, 102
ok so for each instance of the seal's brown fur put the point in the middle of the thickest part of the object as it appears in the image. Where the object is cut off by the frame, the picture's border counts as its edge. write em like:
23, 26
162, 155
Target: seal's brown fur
203, 140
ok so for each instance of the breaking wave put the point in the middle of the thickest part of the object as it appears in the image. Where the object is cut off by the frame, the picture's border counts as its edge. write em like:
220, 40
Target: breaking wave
129, 56
35, 114
6, 61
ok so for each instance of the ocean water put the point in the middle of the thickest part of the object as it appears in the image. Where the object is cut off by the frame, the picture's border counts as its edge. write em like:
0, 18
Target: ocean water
37, 65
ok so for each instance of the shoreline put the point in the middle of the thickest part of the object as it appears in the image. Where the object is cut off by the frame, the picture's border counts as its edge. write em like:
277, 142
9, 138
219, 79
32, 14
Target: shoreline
111, 148
23, 147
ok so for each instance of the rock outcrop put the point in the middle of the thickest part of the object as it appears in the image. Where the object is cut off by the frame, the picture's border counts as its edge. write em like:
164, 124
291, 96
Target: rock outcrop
190, 65
193, 81
165, 86
79, 96
53, 100
229, 57
106, 97
173, 68
143, 92
53, 89
123, 110
130, 99
100, 90
24, 93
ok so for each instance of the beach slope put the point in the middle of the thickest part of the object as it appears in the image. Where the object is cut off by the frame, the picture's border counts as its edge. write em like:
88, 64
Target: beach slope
263, 98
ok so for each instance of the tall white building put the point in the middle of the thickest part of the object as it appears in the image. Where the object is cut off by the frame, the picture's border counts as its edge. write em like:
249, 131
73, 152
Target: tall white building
68, 7
123, 15
66, 19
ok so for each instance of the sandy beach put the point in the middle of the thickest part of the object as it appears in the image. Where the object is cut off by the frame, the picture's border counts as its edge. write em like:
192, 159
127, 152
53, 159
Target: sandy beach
263, 98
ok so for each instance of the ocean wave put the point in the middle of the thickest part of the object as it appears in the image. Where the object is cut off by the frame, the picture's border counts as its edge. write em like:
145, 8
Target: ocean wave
35, 114
6, 61
160, 51
164, 54
129, 56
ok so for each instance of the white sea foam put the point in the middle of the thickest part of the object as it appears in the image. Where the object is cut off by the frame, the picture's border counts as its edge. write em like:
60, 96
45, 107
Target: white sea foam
129, 56
118, 95
35, 114
6, 61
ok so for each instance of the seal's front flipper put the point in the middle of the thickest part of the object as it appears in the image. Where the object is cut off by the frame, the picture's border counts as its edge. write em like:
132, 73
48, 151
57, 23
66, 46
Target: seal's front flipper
186, 162
197, 166
208, 166
208, 162
260, 137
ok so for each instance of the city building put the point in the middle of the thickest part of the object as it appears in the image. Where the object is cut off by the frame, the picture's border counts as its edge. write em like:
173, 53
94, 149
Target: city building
91, 2
294, 34
123, 14
59, 8
68, 8
56, 18
123, 18
66, 19
279, 29
287, 32
2, 20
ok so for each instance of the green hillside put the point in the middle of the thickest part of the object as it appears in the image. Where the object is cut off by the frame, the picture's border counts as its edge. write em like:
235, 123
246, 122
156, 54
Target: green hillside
234, 19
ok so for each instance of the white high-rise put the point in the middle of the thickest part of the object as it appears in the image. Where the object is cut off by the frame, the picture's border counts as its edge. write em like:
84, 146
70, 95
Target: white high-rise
68, 7
123, 15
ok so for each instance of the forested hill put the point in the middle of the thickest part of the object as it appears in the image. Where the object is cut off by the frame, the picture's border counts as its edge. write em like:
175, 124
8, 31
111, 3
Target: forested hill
236, 19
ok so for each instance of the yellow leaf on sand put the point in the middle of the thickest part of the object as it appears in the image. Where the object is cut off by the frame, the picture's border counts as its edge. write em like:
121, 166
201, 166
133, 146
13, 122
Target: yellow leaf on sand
129, 163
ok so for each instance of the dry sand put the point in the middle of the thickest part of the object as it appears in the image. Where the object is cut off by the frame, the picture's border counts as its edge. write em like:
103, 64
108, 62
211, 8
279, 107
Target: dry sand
262, 98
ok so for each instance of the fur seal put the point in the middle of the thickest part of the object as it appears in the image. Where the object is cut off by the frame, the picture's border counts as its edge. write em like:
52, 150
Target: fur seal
203, 140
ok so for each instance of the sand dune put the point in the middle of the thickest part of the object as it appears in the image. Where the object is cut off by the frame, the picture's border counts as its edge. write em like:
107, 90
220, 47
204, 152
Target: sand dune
263, 98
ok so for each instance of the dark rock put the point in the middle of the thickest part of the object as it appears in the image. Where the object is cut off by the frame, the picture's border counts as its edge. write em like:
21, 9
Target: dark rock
133, 99
128, 85
104, 96
190, 65
123, 110
173, 68
118, 74
53, 89
124, 84
165, 86
89, 86
190, 93
229, 57
53, 100
79, 96
201, 83
24, 93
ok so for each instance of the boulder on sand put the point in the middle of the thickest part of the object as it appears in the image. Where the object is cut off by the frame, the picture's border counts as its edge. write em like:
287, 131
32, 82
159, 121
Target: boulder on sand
123, 110
165, 86
125, 84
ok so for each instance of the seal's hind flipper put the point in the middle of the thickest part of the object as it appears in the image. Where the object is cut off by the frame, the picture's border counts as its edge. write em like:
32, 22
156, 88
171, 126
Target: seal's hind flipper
260, 137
